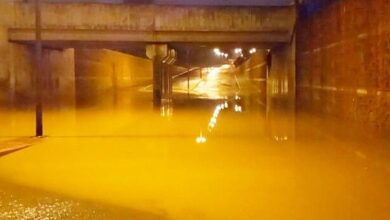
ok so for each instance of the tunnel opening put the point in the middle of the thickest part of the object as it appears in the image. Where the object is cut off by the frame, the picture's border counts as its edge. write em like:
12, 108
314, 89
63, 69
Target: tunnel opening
165, 109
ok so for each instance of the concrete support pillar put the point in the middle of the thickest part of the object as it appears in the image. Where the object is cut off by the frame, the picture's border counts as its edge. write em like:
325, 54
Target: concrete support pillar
162, 79
166, 90
157, 52
167, 76
157, 81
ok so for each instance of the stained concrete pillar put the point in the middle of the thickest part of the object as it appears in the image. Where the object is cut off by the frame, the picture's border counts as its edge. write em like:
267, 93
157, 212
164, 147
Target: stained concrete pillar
166, 80
167, 76
162, 79
157, 52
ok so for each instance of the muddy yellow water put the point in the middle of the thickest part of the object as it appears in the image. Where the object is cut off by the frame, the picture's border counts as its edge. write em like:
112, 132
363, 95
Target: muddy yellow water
218, 152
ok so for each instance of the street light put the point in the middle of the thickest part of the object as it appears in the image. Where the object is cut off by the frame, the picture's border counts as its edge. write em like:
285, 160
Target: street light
217, 51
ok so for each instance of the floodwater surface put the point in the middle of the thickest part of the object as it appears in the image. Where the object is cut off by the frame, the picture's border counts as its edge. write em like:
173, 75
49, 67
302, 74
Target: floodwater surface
217, 153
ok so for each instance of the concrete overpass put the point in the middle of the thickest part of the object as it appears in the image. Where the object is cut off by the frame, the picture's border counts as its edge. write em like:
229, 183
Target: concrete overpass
158, 26
106, 23
252, 3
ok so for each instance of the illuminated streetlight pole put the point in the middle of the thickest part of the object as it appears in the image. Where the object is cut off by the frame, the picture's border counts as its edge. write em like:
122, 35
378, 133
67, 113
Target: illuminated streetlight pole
38, 72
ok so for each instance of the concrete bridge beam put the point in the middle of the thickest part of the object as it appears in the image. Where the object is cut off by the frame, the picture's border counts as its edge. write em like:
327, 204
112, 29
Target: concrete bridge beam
154, 23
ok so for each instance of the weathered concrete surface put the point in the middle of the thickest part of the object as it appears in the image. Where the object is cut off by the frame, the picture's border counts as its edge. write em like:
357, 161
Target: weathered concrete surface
107, 37
344, 63
21, 75
190, 2
272, 76
10, 145
17, 68
58, 84
281, 92
156, 18
59, 77
6, 20
253, 75
100, 71
151, 23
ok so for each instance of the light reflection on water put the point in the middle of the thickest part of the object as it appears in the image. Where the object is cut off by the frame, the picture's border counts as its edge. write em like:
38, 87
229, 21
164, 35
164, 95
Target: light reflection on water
253, 163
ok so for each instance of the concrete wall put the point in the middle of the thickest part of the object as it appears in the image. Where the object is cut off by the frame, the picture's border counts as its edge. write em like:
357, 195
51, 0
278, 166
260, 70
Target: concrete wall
281, 93
6, 19
281, 81
100, 71
21, 75
252, 76
344, 62
17, 68
16, 63
272, 77
59, 77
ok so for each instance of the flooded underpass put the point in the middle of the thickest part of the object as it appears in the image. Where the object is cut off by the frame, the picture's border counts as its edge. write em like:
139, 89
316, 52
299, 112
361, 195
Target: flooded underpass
194, 110
208, 155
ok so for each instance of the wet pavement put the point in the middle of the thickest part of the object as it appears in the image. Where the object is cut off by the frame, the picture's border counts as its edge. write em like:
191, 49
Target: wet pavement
218, 153
23, 203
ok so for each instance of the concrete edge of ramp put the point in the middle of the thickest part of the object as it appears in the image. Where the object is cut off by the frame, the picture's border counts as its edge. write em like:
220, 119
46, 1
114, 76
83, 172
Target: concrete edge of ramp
15, 144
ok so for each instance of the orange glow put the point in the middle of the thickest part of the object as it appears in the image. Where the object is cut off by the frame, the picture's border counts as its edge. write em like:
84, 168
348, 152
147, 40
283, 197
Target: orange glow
208, 161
